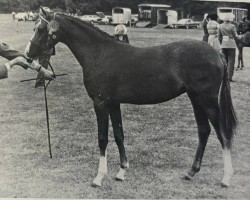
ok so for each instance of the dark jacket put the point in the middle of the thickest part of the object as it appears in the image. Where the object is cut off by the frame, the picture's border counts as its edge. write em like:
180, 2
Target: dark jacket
8, 53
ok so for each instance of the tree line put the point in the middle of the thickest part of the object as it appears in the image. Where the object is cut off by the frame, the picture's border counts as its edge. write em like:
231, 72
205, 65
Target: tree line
185, 8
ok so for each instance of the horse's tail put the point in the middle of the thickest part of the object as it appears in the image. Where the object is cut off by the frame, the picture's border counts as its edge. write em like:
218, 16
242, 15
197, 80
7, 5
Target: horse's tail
228, 119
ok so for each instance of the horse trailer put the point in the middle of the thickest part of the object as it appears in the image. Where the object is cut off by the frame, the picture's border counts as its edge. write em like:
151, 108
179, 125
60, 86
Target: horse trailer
121, 16
156, 14
237, 13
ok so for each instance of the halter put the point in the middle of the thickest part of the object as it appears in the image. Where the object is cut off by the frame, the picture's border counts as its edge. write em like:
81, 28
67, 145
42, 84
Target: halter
52, 26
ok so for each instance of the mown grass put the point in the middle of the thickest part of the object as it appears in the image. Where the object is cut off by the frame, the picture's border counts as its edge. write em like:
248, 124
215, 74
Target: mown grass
160, 139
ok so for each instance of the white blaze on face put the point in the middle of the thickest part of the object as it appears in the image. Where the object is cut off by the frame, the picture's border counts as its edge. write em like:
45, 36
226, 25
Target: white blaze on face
27, 48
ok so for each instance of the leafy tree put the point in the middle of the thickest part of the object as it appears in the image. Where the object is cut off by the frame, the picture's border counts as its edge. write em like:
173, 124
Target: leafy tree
27, 5
185, 8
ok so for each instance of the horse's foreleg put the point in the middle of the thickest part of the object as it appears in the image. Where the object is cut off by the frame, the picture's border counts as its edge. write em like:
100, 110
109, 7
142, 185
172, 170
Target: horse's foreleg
102, 115
203, 133
115, 115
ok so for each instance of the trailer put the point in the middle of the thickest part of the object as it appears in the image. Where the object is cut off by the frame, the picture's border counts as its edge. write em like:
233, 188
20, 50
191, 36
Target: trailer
151, 15
237, 13
121, 16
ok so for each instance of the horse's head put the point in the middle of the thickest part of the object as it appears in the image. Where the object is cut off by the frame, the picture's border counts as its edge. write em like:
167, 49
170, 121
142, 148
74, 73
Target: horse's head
243, 27
46, 34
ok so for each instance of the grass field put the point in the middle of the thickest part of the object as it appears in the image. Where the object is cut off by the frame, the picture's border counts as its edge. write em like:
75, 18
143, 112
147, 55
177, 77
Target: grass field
160, 140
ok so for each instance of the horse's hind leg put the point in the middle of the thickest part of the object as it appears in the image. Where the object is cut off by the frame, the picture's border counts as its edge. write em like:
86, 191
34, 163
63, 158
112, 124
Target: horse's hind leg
213, 113
102, 115
242, 63
240, 59
115, 115
203, 133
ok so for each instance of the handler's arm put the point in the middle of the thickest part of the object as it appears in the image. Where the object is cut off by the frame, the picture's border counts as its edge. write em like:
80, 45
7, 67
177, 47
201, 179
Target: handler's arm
21, 61
3, 72
235, 34
7, 52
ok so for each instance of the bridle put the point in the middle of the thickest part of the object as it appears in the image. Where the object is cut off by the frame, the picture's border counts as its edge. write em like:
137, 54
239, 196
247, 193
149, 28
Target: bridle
52, 26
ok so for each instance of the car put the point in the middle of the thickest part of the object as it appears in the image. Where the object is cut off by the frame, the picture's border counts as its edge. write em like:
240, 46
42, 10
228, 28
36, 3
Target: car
134, 19
107, 19
90, 18
186, 23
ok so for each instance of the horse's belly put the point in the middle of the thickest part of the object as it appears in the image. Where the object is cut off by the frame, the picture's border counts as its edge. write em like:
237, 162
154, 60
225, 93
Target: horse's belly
149, 92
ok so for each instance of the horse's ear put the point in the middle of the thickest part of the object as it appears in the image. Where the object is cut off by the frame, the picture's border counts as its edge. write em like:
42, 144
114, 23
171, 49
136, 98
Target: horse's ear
46, 12
42, 11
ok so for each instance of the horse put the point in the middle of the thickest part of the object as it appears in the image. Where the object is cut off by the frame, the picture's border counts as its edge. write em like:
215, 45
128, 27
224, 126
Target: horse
242, 29
116, 73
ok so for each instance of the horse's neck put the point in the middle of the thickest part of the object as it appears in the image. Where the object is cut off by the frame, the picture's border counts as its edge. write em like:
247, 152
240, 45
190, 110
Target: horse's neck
86, 45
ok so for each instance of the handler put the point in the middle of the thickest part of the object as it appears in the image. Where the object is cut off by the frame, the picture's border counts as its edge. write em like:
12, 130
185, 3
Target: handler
204, 26
18, 58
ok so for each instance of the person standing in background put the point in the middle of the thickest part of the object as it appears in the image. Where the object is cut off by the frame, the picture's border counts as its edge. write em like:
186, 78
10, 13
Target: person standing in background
204, 26
213, 28
121, 33
227, 35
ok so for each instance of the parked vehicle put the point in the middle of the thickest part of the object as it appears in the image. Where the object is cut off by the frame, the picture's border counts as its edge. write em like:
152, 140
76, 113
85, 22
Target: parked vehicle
172, 18
121, 16
151, 15
90, 18
134, 19
186, 23
237, 13
104, 19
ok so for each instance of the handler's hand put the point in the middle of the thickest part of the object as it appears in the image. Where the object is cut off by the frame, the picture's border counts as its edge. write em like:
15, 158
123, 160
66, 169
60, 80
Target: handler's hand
21, 61
46, 73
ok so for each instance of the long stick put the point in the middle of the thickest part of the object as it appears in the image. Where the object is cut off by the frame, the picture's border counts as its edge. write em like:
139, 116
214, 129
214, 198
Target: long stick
47, 117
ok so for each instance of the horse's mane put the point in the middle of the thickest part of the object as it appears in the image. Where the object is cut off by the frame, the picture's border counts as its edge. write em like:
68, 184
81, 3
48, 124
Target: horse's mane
81, 23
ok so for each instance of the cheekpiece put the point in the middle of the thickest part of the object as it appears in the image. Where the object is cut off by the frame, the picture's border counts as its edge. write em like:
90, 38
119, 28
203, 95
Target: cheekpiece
53, 26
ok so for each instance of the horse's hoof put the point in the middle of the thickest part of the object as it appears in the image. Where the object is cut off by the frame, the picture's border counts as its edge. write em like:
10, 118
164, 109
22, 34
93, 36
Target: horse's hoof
224, 185
121, 175
187, 177
97, 182
119, 179
96, 185
226, 181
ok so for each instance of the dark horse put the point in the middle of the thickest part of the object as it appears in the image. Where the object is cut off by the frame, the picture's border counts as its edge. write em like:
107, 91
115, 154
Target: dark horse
243, 29
115, 73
